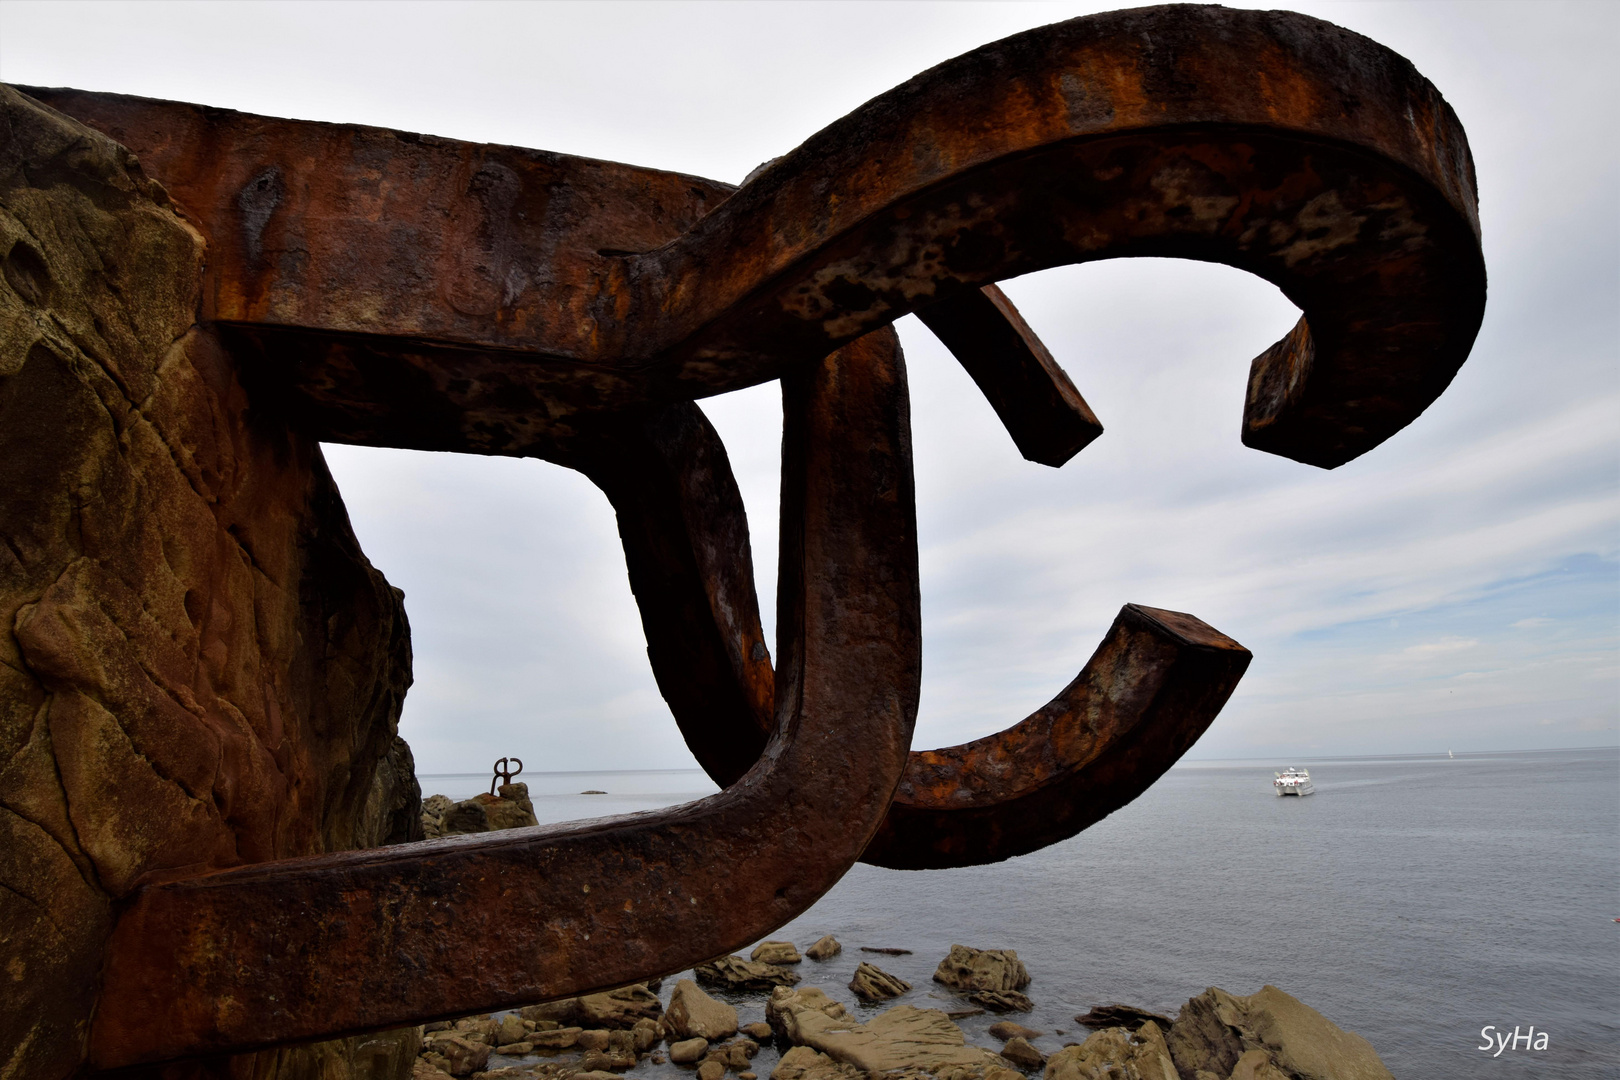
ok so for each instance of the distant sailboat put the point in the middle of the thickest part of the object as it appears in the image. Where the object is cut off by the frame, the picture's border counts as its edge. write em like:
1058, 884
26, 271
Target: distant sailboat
1450, 755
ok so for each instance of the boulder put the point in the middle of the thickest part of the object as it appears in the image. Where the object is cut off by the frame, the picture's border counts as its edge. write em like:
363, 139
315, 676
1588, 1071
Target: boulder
824, 949
199, 668
422, 1069
596, 1075
711, 1070
757, 1030
510, 1030
462, 1055
735, 973
695, 1015
899, 1038
803, 1063
1019, 1051
688, 1051
1215, 1030
775, 952
594, 1039
1001, 1000
872, 983
646, 1034
1116, 1051
1006, 1029
982, 969
1125, 1016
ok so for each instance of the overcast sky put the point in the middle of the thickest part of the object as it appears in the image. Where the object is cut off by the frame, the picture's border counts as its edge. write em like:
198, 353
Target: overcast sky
1459, 587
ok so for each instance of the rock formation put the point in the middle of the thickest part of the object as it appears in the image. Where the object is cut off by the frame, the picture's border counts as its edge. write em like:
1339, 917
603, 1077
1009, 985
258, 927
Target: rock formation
824, 949
511, 809
967, 969
903, 1038
872, 983
1267, 1032
776, 952
198, 668
1141, 1055
1022, 1053
735, 973
1117, 1015
692, 1014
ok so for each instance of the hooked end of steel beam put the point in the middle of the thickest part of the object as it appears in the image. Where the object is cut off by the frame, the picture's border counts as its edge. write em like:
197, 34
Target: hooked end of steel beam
1045, 415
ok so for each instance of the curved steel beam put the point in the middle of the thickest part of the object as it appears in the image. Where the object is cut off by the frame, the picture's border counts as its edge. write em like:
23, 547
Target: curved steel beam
1274, 142
1150, 690
308, 948
1154, 685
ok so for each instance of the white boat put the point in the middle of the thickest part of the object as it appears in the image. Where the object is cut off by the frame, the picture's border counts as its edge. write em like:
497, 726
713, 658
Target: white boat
1294, 782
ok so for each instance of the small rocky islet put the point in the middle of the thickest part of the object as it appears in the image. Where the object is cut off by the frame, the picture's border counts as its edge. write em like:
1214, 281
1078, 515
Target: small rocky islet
806, 1034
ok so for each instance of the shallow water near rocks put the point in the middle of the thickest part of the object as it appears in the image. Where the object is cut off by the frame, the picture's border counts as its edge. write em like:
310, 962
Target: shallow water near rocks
1411, 900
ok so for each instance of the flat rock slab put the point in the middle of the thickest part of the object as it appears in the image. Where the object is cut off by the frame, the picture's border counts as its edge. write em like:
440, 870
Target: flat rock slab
903, 1037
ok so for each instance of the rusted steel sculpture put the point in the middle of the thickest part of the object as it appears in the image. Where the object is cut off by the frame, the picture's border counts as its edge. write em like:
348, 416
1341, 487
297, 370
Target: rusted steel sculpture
397, 290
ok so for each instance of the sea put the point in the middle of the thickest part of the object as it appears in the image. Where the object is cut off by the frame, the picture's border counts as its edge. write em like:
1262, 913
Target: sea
1429, 904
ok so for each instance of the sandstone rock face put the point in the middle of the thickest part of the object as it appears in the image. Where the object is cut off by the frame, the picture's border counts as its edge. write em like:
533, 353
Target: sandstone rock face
785, 1007
824, 949
1116, 1052
198, 666
982, 969
695, 1015
1006, 1029
776, 952
901, 1038
1216, 1031
872, 983
735, 973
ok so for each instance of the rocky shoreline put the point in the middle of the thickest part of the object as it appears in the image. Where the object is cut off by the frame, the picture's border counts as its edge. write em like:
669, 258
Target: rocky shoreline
806, 1034
748, 1018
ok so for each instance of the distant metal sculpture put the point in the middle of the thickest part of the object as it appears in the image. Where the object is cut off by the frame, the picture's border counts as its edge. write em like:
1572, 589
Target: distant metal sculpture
405, 291
504, 772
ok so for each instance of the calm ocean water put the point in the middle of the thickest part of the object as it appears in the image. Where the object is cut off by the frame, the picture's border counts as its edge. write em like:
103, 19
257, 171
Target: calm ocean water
1411, 900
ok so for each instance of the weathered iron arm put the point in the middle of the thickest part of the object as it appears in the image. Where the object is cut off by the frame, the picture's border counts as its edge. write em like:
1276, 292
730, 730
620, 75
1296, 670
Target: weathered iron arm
1281, 144
307, 948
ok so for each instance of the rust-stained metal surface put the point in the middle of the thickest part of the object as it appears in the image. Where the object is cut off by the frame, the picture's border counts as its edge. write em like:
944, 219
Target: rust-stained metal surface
371, 939
389, 289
